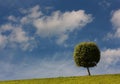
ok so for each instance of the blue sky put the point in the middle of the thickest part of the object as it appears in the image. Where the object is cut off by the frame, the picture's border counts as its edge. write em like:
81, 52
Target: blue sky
37, 37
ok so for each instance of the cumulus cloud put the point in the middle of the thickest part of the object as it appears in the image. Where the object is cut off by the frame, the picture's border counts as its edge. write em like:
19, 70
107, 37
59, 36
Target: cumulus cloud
109, 62
10, 34
12, 18
116, 18
62, 39
111, 56
60, 23
3, 41
18, 35
13, 32
116, 23
31, 14
57, 23
6, 27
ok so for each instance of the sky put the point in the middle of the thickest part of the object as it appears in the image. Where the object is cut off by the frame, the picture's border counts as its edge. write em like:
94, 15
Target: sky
37, 37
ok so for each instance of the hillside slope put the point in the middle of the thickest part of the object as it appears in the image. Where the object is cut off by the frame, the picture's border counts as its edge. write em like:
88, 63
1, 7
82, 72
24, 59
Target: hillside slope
98, 79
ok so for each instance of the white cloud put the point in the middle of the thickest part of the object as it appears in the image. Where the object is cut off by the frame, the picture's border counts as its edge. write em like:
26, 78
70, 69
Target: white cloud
3, 41
6, 27
109, 62
31, 14
12, 18
59, 23
111, 56
116, 18
62, 39
24, 20
14, 35
35, 13
116, 23
18, 35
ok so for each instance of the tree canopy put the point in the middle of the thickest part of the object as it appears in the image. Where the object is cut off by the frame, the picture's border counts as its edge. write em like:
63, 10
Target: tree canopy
86, 54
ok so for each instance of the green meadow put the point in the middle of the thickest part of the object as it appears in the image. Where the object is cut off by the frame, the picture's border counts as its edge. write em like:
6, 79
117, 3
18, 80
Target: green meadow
96, 79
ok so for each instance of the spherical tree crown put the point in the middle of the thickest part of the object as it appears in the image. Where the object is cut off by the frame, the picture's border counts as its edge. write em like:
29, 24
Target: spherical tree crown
86, 54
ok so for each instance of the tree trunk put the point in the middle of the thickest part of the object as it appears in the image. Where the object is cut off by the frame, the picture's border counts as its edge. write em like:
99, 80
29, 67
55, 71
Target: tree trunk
88, 71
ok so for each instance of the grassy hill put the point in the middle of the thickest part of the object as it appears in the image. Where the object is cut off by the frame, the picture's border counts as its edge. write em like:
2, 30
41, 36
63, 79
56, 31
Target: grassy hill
98, 79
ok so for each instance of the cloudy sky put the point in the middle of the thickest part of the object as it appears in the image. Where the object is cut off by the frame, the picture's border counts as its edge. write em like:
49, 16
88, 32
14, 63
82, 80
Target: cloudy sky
37, 37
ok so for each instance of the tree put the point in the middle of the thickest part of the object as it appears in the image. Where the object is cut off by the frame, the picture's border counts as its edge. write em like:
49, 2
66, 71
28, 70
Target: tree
86, 54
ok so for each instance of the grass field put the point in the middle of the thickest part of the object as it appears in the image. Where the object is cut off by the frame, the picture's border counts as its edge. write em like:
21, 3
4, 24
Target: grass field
98, 79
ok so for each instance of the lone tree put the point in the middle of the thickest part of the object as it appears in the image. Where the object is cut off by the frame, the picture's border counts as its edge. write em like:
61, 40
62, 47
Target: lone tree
86, 54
